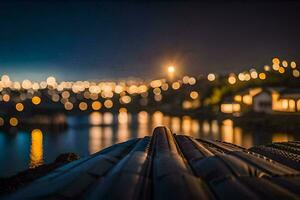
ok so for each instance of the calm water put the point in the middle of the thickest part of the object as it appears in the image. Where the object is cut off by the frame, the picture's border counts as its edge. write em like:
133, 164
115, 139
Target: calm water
89, 134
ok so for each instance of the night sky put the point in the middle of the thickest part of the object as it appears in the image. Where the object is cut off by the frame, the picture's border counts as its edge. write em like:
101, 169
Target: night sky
110, 40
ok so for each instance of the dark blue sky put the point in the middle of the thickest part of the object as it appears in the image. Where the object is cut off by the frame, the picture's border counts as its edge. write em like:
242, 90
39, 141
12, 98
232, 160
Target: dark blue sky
92, 40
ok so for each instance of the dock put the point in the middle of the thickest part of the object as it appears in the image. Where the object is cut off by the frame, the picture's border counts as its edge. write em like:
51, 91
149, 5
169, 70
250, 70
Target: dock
171, 166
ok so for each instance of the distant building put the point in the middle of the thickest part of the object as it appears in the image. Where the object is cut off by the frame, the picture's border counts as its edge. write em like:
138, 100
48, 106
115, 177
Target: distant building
269, 100
287, 100
262, 102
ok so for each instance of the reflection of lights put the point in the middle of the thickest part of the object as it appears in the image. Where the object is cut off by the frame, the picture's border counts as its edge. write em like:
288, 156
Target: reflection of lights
95, 133
214, 127
195, 127
157, 119
186, 125
36, 148
175, 124
143, 117
13, 121
108, 118
95, 118
237, 136
36, 100
206, 127
19, 107
123, 117
281, 137
227, 131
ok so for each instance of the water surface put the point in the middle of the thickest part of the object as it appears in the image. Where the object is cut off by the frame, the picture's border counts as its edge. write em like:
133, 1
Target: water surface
89, 134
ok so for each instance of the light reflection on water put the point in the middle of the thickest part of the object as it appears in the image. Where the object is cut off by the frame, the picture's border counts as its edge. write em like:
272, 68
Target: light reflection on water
100, 130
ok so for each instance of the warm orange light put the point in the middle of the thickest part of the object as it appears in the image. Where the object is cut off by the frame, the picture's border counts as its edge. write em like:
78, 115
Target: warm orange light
19, 107
171, 69
108, 103
13, 121
36, 100
96, 105
83, 106
211, 77
262, 76
231, 80
194, 95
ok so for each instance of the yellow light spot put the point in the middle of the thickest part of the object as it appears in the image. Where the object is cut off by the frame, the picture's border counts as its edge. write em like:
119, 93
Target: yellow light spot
293, 64
19, 107
83, 106
284, 63
231, 80
275, 67
276, 61
176, 85
192, 81
262, 76
108, 103
296, 73
96, 105
125, 99
36, 149
194, 95
211, 77
68, 106
171, 69
157, 91
238, 98
13, 121
65, 94
267, 68
281, 70
36, 100
6, 97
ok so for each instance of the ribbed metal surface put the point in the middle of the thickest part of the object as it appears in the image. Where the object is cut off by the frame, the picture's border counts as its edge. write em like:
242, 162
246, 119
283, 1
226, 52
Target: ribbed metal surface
168, 166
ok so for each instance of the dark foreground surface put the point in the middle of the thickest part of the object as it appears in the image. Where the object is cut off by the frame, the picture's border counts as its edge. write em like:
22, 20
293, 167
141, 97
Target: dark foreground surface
167, 166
